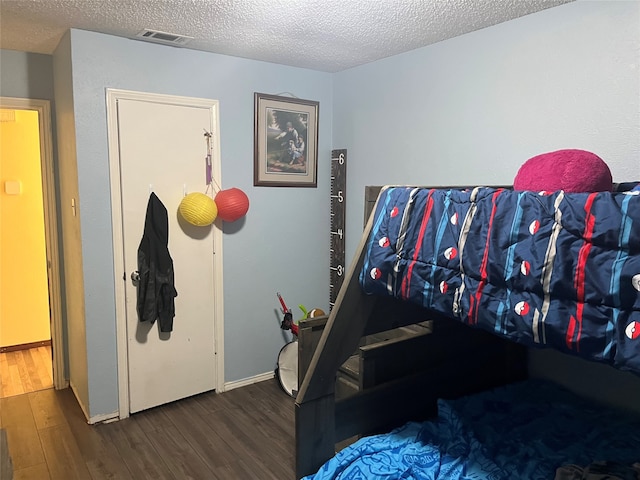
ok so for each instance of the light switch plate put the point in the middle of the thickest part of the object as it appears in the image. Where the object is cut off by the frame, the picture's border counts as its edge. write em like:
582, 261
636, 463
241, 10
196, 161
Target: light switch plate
13, 187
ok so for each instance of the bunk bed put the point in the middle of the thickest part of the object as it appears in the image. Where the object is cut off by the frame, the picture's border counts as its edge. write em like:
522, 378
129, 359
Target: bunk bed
551, 270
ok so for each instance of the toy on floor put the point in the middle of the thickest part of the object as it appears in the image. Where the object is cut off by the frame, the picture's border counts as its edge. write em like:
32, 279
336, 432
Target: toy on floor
287, 366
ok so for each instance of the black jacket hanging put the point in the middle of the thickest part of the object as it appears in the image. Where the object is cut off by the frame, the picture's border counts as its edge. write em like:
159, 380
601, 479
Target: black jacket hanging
156, 291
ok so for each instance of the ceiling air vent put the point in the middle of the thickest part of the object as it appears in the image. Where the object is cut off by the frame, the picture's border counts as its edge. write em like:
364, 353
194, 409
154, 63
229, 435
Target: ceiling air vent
164, 37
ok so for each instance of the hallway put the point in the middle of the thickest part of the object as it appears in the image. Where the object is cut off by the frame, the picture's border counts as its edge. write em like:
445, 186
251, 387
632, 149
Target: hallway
25, 371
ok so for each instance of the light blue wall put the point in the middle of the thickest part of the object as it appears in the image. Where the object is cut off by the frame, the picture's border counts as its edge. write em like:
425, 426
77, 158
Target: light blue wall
69, 224
26, 75
472, 109
282, 245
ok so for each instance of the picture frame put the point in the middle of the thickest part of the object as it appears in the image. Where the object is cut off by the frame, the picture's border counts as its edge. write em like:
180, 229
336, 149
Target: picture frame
285, 141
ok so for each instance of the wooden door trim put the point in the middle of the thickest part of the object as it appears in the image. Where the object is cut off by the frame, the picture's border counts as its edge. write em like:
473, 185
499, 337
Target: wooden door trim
112, 97
43, 107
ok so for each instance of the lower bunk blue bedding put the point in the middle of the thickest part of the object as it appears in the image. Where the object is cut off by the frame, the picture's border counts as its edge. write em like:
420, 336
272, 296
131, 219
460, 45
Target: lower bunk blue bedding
526, 430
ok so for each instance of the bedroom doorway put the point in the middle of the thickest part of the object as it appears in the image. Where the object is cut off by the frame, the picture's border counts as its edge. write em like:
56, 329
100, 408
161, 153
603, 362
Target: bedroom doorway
31, 327
157, 144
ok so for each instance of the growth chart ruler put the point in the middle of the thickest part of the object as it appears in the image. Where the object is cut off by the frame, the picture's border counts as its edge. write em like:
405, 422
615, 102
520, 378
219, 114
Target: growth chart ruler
338, 215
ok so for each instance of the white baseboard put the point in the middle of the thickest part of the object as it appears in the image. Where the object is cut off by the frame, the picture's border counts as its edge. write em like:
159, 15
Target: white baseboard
104, 418
248, 381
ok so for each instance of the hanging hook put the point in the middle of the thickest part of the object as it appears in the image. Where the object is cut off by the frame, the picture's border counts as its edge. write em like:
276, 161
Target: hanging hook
184, 189
150, 188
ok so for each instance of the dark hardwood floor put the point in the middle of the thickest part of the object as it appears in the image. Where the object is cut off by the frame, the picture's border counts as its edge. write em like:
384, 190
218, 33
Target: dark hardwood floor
246, 433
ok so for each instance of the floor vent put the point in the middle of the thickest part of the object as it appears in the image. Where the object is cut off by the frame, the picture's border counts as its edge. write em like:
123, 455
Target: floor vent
164, 37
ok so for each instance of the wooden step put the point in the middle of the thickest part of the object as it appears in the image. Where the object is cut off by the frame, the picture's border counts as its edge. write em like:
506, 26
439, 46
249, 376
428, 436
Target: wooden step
377, 355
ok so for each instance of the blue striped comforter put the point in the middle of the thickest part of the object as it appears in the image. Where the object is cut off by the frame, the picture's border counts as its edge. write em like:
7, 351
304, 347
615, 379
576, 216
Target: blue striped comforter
544, 269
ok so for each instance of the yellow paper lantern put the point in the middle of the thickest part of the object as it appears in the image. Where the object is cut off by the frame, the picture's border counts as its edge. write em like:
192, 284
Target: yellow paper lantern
198, 209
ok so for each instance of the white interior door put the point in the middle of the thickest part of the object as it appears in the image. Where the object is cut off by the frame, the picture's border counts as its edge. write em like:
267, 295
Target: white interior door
162, 149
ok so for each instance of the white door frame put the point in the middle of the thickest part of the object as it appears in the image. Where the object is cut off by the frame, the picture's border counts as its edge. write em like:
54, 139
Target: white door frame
43, 107
113, 95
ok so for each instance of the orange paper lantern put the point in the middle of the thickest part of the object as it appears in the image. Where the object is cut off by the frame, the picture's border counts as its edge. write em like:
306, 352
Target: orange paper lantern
232, 204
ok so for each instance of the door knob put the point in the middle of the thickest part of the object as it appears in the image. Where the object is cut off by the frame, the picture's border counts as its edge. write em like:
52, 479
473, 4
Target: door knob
135, 278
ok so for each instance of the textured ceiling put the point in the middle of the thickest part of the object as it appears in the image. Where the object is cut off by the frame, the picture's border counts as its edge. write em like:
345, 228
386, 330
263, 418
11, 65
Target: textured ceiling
326, 35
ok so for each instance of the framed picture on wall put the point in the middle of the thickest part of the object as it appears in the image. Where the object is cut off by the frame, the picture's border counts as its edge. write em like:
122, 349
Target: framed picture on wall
285, 141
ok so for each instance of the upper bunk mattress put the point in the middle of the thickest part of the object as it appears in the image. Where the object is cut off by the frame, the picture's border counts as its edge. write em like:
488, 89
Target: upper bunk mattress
544, 269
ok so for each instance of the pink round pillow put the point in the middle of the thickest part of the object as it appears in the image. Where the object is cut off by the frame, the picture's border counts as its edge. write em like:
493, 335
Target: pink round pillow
568, 170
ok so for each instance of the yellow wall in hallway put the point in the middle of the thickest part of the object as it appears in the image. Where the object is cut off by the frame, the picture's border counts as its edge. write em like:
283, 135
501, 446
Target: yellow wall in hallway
24, 301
